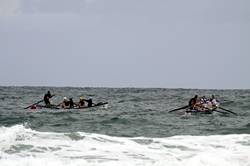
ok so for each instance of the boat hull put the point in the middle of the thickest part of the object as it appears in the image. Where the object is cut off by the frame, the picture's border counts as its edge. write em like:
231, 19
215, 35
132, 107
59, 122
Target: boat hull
40, 107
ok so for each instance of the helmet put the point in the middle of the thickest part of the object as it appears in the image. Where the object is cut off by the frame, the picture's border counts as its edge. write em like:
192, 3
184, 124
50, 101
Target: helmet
81, 98
65, 98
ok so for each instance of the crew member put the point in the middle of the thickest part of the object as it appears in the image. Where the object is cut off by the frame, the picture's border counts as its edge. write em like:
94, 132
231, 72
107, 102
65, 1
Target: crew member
90, 102
81, 103
193, 101
46, 98
71, 103
66, 103
215, 103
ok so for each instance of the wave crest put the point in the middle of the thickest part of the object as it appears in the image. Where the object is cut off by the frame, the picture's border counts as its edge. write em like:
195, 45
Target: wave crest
23, 146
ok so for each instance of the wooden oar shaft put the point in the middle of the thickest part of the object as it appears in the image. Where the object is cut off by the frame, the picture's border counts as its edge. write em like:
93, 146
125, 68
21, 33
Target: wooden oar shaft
179, 108
33, 104
36, 103
220, 111
228, 110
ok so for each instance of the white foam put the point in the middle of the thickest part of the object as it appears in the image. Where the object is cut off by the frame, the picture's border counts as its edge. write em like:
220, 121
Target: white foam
25, 147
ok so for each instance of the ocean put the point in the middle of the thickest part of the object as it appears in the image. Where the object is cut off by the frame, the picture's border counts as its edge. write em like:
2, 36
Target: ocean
134, 130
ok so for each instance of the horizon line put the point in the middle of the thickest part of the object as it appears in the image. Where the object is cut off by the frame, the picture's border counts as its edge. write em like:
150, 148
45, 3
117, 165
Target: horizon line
121, 87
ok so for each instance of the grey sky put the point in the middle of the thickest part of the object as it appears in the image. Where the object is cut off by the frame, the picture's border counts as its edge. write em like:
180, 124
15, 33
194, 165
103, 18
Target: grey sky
125, 43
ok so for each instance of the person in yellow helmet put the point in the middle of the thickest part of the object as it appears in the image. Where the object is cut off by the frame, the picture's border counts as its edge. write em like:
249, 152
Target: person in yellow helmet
82, 103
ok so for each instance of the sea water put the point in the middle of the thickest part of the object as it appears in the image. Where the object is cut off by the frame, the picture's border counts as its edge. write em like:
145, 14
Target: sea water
135, 129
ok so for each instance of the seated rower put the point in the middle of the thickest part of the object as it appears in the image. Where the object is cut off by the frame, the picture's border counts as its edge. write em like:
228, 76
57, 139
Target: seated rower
208, 105
214, 102
198, 104
81, 102
66, 103
90, 102
71, 103
33, 107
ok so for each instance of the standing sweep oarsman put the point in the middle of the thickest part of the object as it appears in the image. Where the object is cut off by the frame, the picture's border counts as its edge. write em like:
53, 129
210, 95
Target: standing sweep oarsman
46, 99
192, 102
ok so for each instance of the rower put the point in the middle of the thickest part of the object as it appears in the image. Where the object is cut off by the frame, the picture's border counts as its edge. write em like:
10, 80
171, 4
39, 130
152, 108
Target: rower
66, 103
193, 101
33, 107
200, 104
81, 103
71, 103
90, 102
46, 98
215, 103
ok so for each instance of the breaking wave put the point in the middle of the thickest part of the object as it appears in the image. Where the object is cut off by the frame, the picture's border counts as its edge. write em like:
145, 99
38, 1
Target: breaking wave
24, 147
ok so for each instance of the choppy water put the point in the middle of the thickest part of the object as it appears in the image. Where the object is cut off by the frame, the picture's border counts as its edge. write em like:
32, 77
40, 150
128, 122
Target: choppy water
135, 129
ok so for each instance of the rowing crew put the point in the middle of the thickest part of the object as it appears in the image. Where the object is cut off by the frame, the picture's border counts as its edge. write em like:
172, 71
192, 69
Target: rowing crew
69, 103
203, 104
81, 104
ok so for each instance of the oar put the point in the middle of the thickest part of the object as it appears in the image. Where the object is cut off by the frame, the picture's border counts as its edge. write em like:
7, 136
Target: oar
36, 103
179, 108
220, 111
228, 110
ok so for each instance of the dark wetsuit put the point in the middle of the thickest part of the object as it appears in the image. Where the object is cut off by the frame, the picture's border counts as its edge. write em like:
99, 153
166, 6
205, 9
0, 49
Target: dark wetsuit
66, 103
192, 102
81, 103
90, 102
46, 98
71, 103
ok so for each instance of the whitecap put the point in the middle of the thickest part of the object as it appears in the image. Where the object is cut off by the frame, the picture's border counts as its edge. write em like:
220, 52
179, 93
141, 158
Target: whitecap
22, 146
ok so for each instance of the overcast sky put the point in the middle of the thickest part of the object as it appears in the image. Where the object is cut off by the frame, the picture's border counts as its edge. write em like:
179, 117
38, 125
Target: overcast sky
125, 43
